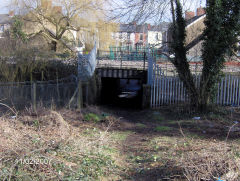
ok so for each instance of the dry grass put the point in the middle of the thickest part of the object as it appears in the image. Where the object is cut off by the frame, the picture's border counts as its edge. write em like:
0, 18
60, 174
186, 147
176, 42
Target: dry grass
73, 152
81, 148
194, 158
210, 160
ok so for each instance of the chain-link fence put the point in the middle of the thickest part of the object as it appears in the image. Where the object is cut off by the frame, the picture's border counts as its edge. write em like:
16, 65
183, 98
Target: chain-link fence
46, 93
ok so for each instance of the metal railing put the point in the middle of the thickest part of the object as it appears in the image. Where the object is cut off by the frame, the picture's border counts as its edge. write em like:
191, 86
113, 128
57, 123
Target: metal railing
122, 59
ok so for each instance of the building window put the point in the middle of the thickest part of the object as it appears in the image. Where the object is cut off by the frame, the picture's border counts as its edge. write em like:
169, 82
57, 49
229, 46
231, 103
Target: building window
2, 28
156, 36
128, 36
141, 36
120, 35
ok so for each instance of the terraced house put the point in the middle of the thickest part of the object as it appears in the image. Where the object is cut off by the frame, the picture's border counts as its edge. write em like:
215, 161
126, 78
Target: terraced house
125, 36
133, 36
194, 29
5, 22
157, 35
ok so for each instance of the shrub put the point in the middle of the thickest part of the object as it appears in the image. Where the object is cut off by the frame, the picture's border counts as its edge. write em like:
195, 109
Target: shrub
92, 117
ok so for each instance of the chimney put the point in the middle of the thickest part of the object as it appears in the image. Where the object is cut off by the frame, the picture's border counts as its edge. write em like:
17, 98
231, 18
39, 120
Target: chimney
11, 13
46, 4
200, 11
189, 15
57, 9
149, 27
134, 23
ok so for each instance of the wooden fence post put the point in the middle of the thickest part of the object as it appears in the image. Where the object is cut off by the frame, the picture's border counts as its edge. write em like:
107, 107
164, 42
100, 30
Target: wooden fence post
79, 97
58, 92
86, 89
34, 96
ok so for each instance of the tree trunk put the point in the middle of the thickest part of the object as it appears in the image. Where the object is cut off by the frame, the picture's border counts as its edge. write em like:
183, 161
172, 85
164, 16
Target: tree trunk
222, 18
188, 81
204, 100
180, 60
54, 46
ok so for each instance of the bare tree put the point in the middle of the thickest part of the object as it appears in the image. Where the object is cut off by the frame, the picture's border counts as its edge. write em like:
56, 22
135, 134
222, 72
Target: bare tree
60, 20
153, 11
138, 10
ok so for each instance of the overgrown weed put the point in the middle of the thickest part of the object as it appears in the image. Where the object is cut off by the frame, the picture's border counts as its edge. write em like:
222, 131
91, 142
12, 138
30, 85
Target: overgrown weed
69, 154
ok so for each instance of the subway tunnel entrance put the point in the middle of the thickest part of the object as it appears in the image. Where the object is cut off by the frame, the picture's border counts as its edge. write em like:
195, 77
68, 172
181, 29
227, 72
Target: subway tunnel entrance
121, 92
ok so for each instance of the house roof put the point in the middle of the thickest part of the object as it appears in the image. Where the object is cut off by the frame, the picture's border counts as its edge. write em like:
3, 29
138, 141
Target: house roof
144, 28
5, 19
161, 27
155, 28
127, 28
194, 19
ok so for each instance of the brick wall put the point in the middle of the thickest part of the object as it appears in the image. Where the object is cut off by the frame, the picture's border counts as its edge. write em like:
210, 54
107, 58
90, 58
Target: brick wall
189, 15
200, 11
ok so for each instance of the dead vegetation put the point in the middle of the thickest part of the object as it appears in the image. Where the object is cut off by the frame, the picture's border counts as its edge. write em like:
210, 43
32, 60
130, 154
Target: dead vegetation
211, 161
92, 144
45, 146
165, 145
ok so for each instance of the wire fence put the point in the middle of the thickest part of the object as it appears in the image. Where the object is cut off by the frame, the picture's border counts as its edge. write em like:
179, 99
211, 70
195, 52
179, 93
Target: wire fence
46, 93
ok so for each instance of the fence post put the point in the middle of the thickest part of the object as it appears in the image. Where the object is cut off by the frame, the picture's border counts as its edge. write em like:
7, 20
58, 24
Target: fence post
166, 68
79, 97
144, 58
86, 89
58, 92
34, 96
121, 58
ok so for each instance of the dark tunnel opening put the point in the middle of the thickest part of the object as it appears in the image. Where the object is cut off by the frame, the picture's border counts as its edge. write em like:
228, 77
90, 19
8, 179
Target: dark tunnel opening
124, 93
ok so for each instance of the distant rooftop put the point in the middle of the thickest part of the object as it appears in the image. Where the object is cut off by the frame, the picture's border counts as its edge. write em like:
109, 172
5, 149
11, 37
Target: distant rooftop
195, 18
161, 27
127, 28
133, 27
142, 28
5, 19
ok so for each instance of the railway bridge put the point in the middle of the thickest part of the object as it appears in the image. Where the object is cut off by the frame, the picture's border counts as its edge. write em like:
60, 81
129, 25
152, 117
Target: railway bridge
123, 82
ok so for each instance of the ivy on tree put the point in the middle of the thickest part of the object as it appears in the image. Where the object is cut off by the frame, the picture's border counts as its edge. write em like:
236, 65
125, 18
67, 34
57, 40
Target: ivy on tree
219, 41
17, 31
